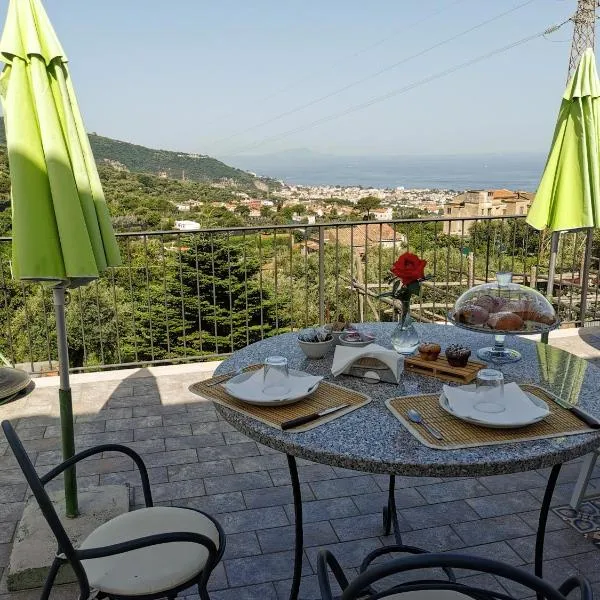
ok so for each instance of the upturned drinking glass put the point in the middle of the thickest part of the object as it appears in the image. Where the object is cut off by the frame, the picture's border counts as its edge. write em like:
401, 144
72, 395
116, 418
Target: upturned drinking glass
276, 376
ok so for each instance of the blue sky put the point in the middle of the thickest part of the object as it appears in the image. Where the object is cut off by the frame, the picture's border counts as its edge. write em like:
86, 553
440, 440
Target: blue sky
185, 74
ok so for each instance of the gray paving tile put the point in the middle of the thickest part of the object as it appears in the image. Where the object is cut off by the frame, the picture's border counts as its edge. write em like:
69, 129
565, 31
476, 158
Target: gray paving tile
237, 482
13, 493
499, 484
405, 498
11, 511
492, 530
503, 504
195, 441
189, 417
275, 496
310, 473
587, 564
405, 482
154, 433
264, 591
349, 554
175, 457
309, 586
323, 510
235, 437
211, 427
260, 463
241, 544
336, 488
161, 409
283, 538
447, 491
210, 468
263, 568
228, 451
562, 493
253, 519
558, 544
531, 517
156, 475
215, 503
176, 490
7, 531
363, 526
434, 515
434, 539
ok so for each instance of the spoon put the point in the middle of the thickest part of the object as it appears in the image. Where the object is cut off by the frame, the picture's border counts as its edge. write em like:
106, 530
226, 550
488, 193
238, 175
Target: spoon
416, 417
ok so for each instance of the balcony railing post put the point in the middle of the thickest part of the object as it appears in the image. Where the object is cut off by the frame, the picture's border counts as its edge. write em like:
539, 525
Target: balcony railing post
321, 275
585, 274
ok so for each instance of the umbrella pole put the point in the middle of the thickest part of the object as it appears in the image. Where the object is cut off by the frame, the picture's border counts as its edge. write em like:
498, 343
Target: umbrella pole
585, 276
551, 274
66, 404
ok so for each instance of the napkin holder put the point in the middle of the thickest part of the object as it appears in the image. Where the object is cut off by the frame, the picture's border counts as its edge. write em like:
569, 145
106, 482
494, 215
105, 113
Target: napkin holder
375, 370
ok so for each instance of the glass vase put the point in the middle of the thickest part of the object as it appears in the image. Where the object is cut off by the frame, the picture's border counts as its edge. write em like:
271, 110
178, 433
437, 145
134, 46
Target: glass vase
405, 338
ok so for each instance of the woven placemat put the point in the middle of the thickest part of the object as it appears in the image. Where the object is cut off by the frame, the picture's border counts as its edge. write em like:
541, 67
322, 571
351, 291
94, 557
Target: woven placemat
460, 434
327, 395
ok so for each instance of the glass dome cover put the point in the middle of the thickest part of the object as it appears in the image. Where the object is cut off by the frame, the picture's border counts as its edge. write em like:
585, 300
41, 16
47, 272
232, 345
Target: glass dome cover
503, 307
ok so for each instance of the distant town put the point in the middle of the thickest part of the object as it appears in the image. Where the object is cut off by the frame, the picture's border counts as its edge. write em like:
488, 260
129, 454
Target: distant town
322, 203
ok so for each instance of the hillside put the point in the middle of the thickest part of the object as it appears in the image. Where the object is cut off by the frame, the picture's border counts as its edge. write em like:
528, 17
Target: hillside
175, 165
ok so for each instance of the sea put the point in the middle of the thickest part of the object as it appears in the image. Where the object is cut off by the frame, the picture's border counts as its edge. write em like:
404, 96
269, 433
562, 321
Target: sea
490, 171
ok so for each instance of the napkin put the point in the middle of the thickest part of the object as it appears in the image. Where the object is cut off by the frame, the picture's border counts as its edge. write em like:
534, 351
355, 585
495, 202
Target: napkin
252, 388
517, 405
345, 356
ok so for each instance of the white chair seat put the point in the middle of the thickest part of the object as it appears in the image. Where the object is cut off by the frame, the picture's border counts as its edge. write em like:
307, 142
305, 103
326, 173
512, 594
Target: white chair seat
154, 569
429, 595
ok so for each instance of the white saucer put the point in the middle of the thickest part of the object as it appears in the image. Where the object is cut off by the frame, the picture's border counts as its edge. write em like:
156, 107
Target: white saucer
495, 416
245, 392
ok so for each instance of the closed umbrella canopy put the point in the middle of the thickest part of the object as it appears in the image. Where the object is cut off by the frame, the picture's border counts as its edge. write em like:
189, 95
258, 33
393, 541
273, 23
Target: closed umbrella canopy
568, 196
62, 233
61, 226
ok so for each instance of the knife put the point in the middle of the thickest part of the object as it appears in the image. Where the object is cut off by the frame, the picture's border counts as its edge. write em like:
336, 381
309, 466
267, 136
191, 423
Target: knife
309, 418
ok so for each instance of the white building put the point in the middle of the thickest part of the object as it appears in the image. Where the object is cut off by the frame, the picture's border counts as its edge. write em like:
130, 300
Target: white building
187, 225
382, 214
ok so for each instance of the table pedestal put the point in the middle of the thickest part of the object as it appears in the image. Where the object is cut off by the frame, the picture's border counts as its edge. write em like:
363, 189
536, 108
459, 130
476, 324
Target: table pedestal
390, 525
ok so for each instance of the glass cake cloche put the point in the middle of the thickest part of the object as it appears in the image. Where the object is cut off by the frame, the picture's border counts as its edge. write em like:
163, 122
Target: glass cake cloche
503, 308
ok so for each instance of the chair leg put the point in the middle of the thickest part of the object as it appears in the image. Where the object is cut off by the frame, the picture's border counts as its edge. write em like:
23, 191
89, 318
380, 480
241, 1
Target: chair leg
583, 480
202, 592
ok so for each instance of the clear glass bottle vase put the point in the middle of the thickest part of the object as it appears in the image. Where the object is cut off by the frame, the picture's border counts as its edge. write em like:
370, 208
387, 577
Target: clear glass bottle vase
405, 338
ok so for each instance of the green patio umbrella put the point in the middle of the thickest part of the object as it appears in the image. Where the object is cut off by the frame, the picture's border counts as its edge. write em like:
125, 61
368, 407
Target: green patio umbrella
568, 196
62, 233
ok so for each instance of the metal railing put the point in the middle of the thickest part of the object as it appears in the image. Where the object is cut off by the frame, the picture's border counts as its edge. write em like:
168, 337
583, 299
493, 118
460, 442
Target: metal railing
186, 296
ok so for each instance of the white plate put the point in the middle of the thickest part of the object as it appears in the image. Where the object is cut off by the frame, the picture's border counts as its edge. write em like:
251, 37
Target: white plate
268, 401
485, 423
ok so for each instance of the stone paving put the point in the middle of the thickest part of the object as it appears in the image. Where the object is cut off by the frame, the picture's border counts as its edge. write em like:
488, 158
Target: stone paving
196, 459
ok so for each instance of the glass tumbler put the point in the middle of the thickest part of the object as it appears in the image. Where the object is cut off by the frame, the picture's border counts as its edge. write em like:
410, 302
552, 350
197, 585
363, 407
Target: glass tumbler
276, 377
488, 380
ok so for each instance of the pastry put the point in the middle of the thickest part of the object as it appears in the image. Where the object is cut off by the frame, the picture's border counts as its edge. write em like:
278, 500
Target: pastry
457, 355
471, 314
491, 303
429, 351
522, 308
505, 321
540, 317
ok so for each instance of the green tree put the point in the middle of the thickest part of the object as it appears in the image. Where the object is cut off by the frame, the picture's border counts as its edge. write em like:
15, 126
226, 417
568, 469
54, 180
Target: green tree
367, 204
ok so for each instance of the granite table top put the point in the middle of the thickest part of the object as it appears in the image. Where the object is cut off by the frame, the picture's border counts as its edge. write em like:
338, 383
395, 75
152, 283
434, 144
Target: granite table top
371, 439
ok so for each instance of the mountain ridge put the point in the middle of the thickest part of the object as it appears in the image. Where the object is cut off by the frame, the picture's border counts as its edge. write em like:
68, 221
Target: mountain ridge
166, 163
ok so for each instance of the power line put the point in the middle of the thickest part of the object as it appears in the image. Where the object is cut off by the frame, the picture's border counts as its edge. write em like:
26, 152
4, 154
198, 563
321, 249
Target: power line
376, 74
405, 89
343, 60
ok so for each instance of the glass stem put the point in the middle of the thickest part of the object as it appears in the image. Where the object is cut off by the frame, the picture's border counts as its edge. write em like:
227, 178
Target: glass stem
499, 344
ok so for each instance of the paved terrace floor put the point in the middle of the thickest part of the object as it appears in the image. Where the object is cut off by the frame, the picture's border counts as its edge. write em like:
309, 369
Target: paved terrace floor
196, 459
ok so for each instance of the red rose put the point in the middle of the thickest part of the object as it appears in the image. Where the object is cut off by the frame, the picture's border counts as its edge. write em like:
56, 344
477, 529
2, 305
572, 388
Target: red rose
409, 268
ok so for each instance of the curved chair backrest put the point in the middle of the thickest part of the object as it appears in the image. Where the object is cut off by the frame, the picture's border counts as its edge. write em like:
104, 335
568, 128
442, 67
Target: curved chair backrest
64, 543
356, 587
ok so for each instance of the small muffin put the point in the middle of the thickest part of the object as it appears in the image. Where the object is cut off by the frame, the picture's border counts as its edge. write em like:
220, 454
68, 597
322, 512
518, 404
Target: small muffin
471, 314
429, 351
457, 355
505, 321
540, 317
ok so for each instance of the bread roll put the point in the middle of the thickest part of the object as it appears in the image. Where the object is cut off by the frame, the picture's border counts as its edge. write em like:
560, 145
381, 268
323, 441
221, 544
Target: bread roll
491, 303
505, 321
472, 314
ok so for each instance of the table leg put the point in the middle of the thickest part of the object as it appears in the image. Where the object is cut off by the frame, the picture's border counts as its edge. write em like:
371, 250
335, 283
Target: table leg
541, 532
299, 531
390, 514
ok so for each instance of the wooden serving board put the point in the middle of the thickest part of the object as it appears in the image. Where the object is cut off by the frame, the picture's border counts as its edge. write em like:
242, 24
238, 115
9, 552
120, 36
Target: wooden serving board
441, 369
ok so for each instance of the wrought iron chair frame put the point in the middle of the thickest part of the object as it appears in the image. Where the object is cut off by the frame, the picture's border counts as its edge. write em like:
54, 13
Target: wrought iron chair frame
66, 553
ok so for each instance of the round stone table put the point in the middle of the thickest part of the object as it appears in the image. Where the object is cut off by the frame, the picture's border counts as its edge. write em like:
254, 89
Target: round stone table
371, 439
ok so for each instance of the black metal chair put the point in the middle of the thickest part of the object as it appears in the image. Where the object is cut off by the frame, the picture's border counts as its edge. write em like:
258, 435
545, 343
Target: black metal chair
146, 554
439, 589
